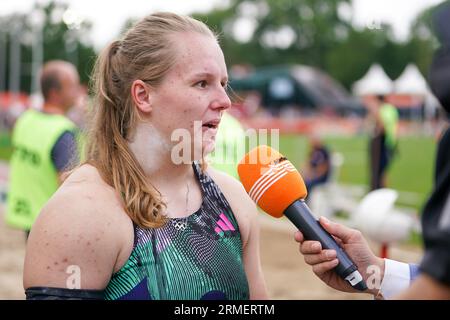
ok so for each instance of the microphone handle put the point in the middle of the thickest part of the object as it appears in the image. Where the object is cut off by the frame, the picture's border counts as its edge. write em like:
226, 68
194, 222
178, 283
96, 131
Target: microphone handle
301, 216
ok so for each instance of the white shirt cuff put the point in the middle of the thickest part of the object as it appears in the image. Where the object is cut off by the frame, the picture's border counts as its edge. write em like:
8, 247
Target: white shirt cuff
396, 278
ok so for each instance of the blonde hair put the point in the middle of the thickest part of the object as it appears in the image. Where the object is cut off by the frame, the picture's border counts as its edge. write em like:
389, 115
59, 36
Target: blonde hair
146, 52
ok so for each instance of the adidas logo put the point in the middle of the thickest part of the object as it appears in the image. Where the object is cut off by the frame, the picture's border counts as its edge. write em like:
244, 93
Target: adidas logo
223, 224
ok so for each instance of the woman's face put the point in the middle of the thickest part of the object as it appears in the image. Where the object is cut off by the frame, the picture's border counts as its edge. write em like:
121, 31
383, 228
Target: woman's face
192, 95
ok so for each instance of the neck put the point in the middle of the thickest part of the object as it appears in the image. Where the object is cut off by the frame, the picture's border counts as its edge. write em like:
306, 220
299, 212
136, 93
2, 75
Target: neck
51, 108
153, 152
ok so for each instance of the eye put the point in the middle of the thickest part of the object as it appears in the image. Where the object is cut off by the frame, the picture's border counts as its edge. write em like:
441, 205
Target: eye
202, 84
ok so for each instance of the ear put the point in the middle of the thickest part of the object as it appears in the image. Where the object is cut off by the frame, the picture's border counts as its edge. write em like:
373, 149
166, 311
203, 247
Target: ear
54, 96
140, 93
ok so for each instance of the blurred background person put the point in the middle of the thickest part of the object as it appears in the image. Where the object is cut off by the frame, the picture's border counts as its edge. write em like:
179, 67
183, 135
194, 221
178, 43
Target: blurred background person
318, 167
45, 145
383, 139
230, 145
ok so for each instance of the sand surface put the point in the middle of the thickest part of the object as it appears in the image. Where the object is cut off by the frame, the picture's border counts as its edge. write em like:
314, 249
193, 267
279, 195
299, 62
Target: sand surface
287, 275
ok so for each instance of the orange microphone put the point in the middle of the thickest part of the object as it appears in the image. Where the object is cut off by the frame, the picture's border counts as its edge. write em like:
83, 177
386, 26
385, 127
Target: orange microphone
274, 184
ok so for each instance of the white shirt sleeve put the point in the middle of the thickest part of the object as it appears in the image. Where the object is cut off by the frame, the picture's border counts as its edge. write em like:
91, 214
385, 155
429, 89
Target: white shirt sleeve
396, 278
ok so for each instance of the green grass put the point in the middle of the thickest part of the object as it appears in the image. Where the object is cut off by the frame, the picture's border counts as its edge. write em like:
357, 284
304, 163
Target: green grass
411, 171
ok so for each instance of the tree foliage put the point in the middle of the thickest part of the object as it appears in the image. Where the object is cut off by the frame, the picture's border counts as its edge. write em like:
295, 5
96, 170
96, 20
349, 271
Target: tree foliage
59, 40
316, 33
256, 33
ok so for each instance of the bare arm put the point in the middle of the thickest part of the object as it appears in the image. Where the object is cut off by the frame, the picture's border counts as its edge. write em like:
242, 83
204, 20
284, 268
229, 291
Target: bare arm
71, 245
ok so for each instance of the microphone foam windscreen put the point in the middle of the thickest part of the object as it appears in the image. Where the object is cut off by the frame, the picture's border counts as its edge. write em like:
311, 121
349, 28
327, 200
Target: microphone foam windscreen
271, 180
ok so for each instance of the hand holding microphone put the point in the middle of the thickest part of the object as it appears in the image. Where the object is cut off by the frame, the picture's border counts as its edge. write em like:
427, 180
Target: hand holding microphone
323, 261
277, 188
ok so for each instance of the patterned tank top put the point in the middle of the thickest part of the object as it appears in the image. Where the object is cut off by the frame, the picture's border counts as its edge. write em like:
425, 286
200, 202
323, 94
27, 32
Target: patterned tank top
198, 257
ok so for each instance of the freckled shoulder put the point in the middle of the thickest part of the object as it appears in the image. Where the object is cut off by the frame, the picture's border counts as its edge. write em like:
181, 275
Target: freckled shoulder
83, 224
87, 196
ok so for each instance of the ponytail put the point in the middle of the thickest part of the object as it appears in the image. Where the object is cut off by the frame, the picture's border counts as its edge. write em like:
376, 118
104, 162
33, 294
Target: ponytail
107, 147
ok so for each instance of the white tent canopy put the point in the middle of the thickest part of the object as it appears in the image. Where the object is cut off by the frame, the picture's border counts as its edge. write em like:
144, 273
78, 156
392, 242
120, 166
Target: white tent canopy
375, 81
411, 81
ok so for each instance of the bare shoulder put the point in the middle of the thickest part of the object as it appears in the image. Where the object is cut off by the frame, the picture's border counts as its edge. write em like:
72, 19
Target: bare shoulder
82, 225
87, 197
231, 187
241, 204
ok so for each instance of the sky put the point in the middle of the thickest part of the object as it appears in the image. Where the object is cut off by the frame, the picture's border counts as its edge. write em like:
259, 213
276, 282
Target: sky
108, 16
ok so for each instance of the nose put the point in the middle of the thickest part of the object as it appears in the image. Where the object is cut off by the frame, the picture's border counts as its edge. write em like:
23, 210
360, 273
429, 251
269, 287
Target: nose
221, 100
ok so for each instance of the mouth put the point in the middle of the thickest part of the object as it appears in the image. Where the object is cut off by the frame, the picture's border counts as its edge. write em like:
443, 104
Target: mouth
212, 124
